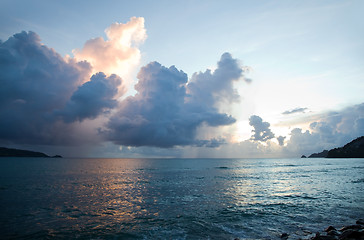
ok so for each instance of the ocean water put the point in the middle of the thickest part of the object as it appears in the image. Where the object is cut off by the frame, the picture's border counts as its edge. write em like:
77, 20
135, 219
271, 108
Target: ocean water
177, 198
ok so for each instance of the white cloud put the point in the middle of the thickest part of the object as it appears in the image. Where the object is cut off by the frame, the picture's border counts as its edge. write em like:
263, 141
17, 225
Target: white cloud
261, 129
119, 53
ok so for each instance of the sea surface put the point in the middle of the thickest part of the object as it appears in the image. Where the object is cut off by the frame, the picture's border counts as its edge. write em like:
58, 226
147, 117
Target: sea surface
44, 198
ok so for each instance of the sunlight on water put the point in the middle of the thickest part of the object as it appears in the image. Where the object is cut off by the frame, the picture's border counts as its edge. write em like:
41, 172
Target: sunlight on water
177, 198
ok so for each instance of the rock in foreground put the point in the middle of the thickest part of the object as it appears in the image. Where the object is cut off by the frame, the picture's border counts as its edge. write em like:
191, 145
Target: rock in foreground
351, 232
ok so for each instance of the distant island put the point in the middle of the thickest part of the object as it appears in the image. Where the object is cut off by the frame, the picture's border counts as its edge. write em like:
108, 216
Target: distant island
354, 149
12, 152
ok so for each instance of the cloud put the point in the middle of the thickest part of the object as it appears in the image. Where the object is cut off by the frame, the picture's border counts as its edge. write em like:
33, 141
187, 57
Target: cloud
334, 129
303, 142
340, 126
208, 89
359, 125
261, 129
35, 81
119, 53
280, 140
44, 97
166, 111
296, 110
244, 149
92, 98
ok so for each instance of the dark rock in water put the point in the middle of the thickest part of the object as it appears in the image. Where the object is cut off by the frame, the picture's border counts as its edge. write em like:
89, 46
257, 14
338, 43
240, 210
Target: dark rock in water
360, 221
327, 238
317, 236
330, 228
12, 152
357, 226
303, 156
351, 234
284, 235
323, 237
57, 156
333, 233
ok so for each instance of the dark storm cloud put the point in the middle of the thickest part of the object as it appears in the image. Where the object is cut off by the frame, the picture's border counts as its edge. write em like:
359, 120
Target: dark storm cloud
45, 99
296, 110
261, 131
167, 112
92, 98
37, 84
33, 73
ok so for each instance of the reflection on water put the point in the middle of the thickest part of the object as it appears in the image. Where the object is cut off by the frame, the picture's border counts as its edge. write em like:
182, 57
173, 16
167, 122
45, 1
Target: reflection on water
176, 198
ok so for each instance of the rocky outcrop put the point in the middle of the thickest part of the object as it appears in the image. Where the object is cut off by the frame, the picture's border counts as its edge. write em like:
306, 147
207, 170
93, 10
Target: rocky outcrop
354, 149
12, 152
322, 154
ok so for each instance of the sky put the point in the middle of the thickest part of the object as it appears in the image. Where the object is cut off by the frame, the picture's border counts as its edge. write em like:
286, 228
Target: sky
244, 79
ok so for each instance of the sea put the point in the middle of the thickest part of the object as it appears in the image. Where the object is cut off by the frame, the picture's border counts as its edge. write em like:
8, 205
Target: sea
75, 198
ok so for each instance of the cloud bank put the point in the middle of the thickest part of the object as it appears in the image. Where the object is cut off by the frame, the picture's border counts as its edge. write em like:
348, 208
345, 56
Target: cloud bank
167, 110
334, 129
35, 81
42, 95
46, 99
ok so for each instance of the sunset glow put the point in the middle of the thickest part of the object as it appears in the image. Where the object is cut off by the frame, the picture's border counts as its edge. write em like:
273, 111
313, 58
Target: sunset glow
258, 79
